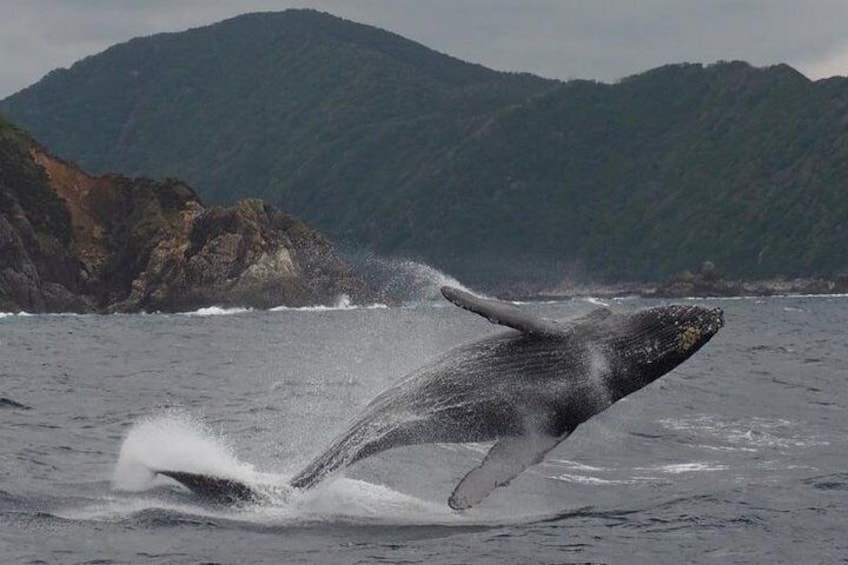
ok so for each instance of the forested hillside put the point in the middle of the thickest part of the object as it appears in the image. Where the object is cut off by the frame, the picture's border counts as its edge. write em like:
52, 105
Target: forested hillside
389, 146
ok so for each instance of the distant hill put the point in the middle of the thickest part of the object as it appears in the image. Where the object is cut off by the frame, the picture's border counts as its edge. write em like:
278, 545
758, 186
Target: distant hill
496, 177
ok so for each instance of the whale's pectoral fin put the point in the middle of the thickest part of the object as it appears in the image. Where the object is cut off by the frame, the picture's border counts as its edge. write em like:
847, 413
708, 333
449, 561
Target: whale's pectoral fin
507, 458
218, 490
503, 313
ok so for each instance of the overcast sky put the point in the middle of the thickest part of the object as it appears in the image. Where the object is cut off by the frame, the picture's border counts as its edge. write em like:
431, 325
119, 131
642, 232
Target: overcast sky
596, 39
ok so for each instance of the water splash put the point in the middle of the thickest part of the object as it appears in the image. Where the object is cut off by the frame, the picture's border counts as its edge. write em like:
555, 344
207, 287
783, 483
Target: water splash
174, 440
408, 281
177, 440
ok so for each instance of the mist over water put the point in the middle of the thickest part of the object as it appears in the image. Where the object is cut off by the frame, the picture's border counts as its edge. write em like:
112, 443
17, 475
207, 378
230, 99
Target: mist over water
406, 280
740, 455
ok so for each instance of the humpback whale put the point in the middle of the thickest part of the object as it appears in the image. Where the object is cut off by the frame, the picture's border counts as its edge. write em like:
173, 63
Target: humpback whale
527, 388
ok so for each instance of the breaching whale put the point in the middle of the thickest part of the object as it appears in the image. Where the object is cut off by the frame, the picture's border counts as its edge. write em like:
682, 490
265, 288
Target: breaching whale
527, 389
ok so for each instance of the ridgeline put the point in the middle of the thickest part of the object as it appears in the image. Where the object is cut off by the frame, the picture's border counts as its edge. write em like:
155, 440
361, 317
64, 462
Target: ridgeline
497, 178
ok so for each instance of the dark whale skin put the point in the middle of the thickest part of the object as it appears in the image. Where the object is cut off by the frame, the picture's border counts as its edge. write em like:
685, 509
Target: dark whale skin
528, 388
504, 384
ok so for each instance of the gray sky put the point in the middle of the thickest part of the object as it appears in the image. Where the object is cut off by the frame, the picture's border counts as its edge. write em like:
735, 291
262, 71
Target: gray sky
597, 39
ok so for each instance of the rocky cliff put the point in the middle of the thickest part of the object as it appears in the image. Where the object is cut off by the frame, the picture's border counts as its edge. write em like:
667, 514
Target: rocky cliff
70, 241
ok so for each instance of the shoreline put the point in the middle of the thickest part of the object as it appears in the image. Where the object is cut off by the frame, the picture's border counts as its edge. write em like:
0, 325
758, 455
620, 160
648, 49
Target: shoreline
689, 286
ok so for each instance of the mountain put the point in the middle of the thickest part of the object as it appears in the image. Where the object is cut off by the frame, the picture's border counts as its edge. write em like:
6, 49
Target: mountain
71, 242
739, 166
497, 177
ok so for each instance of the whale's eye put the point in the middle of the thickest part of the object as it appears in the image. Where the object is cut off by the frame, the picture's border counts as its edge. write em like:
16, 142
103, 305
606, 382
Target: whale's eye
689, 337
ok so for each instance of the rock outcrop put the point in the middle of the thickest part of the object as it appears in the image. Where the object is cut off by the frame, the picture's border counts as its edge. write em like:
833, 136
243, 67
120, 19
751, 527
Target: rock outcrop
73, 242
708, 282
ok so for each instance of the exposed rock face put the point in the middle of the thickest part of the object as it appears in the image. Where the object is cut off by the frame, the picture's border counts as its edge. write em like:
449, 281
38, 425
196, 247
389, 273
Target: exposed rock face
37, 271
73, 242
686, 284
247, 255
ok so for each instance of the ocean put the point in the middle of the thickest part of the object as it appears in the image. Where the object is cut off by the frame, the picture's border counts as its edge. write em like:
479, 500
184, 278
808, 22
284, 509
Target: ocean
738, 456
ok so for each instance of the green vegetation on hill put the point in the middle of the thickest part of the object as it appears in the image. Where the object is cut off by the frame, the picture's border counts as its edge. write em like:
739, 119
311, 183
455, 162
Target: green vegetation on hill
383, 143
24, 187
745, 167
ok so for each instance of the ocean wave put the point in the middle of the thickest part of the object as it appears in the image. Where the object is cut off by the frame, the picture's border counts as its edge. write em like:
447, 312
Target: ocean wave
343, 302
319, 308
591, 475
836, 481
590, 480
573, 465
756, 297
749, 435
216, 311
16, 315
694, 467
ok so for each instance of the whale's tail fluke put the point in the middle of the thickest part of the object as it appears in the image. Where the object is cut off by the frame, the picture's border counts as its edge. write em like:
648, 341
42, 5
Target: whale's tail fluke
216, 490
